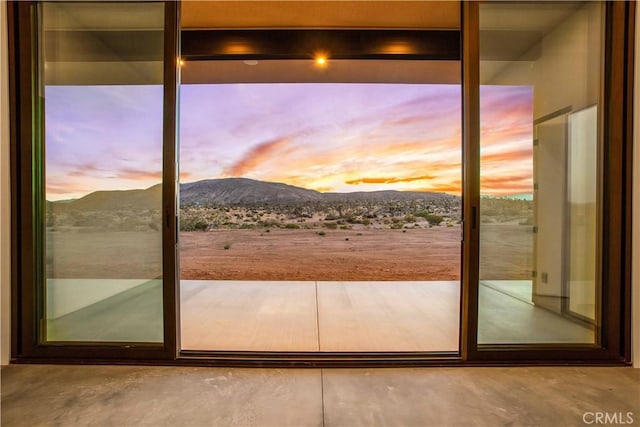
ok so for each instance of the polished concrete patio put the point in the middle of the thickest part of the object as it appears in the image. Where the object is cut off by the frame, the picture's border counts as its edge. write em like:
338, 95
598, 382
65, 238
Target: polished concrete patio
360, 316
126, 396
320, 316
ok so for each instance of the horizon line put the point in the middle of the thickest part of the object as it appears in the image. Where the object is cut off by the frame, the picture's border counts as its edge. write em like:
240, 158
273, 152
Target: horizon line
515, 196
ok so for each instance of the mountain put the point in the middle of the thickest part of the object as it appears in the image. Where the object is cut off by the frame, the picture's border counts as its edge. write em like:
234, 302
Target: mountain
230, 191
116, 200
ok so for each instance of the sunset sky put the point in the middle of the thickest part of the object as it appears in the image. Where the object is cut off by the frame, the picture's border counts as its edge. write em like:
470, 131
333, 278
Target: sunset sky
327, 137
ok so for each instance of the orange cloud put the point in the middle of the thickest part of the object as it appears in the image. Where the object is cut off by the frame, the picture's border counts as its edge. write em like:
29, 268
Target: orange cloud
508, 156
256, 156
409, 148
324, 189
453, 187
388, 180
81, 171
506, 184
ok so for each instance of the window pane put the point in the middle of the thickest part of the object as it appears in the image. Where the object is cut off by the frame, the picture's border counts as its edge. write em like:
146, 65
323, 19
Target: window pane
540, 72
101, 68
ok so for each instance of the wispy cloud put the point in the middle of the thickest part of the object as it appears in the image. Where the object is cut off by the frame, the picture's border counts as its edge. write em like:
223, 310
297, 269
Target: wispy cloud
388, 180
329, 137
138, 175
261, 153
506, 184
508, 156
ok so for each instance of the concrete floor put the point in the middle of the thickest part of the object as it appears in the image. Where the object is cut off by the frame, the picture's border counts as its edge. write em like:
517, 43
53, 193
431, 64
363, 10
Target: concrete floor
319, 316
360, 316
171, 396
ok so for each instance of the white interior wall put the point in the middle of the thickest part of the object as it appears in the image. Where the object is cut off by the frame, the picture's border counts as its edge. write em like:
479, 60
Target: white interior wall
5, 230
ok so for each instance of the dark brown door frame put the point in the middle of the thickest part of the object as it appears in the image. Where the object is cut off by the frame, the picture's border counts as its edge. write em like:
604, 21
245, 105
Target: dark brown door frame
170, 276
291, 44
471, 178
617, 217
26, 107
616, 212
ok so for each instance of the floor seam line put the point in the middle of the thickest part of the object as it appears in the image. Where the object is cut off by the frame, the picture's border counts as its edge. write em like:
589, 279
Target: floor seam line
317, 317
322, 393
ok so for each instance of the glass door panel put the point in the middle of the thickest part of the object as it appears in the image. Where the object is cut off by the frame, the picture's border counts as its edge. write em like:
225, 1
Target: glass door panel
320, 205
101, 70
540, 74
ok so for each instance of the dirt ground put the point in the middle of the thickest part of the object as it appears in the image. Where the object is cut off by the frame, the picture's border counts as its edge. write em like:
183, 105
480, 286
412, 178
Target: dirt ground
280, 254
421, 254
338, 255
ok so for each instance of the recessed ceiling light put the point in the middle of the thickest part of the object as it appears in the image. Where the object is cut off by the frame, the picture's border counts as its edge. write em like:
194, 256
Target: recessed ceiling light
321, 60
250, 62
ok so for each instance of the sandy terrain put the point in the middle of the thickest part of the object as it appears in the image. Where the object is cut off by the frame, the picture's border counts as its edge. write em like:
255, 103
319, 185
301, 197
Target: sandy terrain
282, 254
104, 255
338, 255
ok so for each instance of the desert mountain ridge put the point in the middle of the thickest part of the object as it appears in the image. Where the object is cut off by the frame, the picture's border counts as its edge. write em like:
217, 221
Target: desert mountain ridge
232, 191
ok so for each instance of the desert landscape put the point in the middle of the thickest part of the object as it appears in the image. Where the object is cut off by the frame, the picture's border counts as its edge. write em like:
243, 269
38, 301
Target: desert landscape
245, 230
336, 255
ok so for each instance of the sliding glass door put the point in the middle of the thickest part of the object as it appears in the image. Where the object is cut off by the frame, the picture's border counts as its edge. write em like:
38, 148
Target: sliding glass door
549, 174
100, 213
102, 147
540, 173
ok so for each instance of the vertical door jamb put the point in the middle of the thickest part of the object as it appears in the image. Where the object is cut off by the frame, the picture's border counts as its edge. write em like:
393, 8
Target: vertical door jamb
170, 278
471, 178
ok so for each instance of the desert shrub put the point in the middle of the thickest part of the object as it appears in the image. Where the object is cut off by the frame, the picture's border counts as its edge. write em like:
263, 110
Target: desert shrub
434, 219
227, 246
422, 214
410, 218
331, 225
193, 223
321, 233
267, 223
83, 221
292, 226
50, 219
